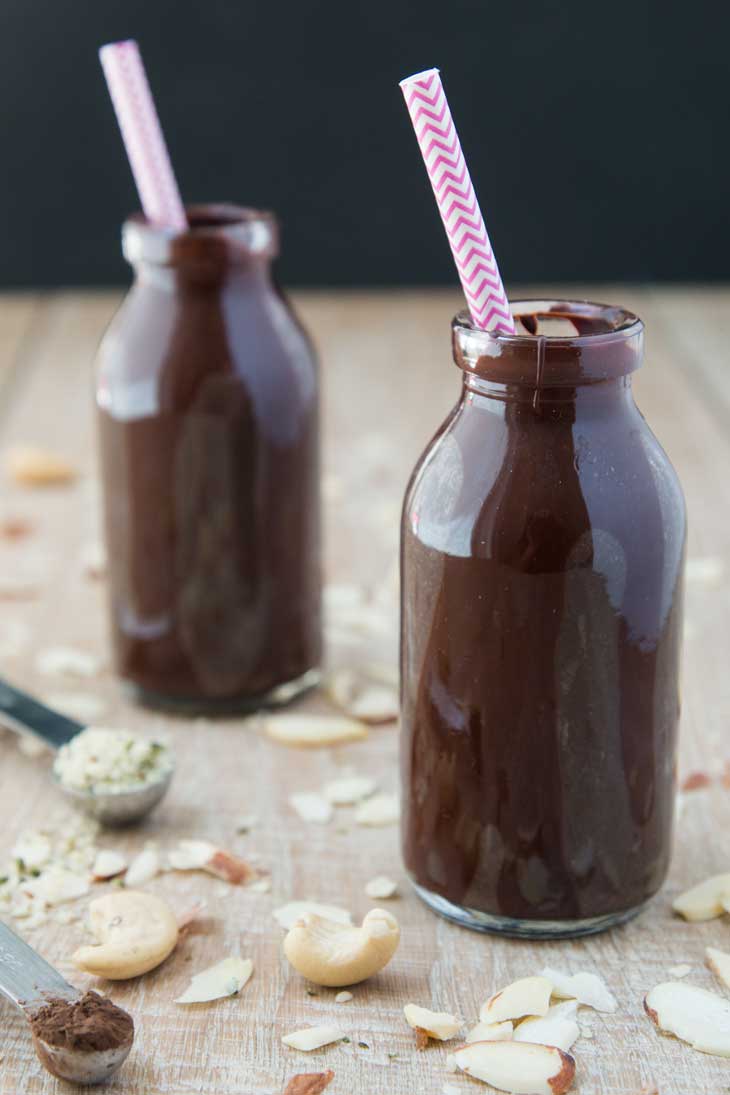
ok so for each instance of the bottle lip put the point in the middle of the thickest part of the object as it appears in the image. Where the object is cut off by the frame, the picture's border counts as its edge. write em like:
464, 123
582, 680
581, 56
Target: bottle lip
613, 349
215, 229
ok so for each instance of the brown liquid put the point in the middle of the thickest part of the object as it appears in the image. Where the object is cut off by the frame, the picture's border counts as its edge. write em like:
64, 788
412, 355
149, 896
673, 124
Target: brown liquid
209, 446
542, 550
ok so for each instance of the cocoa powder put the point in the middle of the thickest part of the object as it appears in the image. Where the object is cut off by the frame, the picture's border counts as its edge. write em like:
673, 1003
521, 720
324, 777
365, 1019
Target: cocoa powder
91, 1023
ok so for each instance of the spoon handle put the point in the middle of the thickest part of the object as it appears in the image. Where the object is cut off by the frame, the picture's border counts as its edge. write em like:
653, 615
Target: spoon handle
22, 712
26, 979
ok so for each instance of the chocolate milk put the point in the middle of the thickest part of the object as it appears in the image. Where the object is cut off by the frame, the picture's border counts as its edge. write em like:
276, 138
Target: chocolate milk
542, 555
208, 416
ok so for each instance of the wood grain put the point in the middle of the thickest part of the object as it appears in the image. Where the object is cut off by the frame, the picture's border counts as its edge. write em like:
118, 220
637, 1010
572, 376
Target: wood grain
388, 382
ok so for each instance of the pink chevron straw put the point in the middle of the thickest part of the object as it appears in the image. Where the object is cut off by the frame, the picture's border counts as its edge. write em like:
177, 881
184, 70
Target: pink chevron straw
142, 134
457, 202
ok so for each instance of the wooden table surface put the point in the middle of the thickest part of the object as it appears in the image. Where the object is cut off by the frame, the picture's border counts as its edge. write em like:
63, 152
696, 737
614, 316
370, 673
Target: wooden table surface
388, 381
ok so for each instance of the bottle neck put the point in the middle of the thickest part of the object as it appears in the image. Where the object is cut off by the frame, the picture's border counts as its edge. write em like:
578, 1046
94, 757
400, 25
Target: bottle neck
515, 402
202, 277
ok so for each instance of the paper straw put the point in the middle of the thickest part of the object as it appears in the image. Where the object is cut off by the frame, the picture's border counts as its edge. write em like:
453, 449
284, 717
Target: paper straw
457, 202
142, 134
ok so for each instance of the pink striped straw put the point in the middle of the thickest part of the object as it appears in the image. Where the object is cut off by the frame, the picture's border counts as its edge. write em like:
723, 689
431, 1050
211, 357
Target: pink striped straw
457, 202
142, 134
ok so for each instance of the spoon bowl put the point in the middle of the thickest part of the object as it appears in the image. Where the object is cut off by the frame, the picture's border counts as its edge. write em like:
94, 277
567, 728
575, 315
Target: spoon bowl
119, 808
92, 1066
27, 715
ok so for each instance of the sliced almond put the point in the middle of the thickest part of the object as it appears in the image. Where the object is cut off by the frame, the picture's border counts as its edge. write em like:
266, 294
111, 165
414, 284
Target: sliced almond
349, 790
191, 915
287, 915
144, 867
261, 885
548, 1030
311, 806
381, 809
679, 971
371, 703
381, 888
201, 855
528, 996
587, 988
518, 1067
108, 864
56, 885
490, 1032
691, 1014
440, 1025
344, 997
37, 467
719, 963
309, 1083
313, 1037
376, 704
705, 900
65, 661
313, 731
226, 978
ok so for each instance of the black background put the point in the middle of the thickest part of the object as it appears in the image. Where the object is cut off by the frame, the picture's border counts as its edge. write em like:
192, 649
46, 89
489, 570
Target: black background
596, 134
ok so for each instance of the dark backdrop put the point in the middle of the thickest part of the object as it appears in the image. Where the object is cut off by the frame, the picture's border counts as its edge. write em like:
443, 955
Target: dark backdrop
596, 133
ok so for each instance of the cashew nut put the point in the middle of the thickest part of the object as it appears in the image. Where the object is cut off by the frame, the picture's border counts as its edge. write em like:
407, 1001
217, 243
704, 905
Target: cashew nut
333, 954
135, 933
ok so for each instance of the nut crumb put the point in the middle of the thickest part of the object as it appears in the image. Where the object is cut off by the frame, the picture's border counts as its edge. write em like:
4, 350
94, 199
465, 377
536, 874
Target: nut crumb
343, 997
309, 1083
37, 467
15, 528
695, 781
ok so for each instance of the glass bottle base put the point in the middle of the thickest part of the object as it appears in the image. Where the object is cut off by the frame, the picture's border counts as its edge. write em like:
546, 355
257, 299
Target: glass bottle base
523, 929
278, 696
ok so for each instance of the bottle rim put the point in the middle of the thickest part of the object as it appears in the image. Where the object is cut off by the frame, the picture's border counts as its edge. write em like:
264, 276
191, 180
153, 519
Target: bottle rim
614, 349
214, 228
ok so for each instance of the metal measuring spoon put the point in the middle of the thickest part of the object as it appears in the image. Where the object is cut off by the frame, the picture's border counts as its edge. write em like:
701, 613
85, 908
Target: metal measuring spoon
29, 982
27, 715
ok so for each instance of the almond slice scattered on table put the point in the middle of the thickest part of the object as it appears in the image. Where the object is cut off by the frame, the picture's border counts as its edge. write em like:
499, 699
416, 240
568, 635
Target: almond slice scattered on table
226, 978
693, 1015
313, 1037
344, 997
679, 971
145, 866
32, 466
719, 962
371, 703
587, 988
108, 864
309, 1083
490, 1032
528, 996
705, 900
313, 731
440, 1025
349, 790
381, 888
311, 806
287, 915
548, 1030
381, 809
201, 855
517, 1067
65, 661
